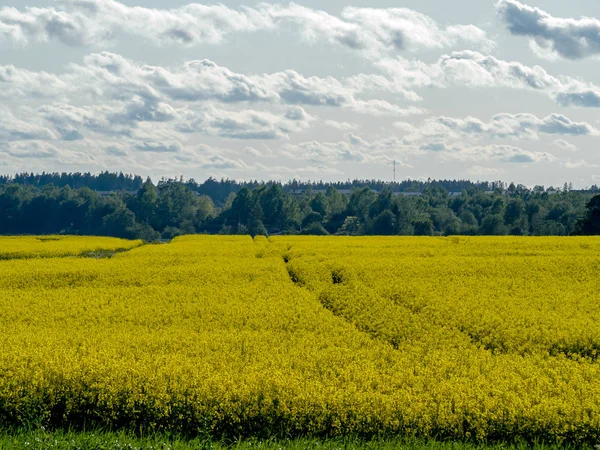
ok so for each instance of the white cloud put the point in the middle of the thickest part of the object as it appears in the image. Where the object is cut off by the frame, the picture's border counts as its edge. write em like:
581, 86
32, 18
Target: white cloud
551, 36
158, 147
97, 22
16, 83
375, 31
27, 150
246, 124
43, 24
220, 162
435, 147
13, 128
326, 152
343, 126
484, 171
112, 77
384, 108
472, 69
503, 125
561, 143
253, 152
579, 164
501, 153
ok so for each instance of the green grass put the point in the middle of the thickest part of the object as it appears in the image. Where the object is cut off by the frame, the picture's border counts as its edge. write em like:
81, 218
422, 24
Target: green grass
42, 440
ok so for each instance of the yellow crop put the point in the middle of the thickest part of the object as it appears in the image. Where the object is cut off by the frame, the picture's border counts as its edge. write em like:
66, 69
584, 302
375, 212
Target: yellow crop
481, 338
13, 247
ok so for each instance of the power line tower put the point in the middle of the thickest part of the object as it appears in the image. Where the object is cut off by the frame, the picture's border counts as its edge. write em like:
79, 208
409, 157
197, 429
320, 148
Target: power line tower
394, 171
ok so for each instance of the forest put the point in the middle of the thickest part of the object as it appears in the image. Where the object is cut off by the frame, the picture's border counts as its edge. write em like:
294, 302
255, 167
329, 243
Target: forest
126, 206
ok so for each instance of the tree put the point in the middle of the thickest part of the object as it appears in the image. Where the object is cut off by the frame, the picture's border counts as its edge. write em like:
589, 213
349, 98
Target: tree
256, 227
313, 217
423, 227
513, 211
336, 202
383, 224
468, 218
290, 211
360, 203
319, 204
205, 208
144, 203
589, 225
351, 227
315, 229
493, 225
120, 223
174, 207
241, 208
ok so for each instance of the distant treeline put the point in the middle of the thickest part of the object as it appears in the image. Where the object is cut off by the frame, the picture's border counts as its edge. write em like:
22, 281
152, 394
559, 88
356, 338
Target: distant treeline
220, 190
126, 206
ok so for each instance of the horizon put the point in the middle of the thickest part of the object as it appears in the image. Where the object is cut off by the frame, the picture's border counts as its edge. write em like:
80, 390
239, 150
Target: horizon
472, 90
180, 179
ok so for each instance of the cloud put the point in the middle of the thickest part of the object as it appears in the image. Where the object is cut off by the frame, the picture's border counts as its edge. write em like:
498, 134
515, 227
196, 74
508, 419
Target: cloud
384, 108
501, 126
30, 150
220, 162
375, 30
327, 152
98, 22
44, 24
435, 147
114, 77
253, 152
354, 149
158, 147
566, 37
501, 153
484, 171
474, 70
246, 124
16, 83
579, 164
561, 143
104, 118
142, 110
343, 126
15, 129
116, 150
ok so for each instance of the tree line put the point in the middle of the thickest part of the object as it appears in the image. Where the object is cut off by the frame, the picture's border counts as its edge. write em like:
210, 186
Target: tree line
220, 190
173, 207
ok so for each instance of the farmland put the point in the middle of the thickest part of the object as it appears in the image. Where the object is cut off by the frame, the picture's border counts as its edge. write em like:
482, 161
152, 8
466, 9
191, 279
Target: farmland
469, 339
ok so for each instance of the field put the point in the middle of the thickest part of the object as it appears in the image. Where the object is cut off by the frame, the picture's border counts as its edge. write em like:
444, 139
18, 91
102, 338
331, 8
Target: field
465, 339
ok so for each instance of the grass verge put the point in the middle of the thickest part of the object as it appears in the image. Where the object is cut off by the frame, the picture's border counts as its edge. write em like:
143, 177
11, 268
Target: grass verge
100, 440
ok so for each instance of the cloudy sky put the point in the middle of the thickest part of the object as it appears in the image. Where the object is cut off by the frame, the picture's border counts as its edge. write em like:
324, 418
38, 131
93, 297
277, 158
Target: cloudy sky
478, 89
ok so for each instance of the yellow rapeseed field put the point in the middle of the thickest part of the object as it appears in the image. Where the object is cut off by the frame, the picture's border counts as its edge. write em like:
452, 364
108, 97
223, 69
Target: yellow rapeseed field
464, 338
13, 247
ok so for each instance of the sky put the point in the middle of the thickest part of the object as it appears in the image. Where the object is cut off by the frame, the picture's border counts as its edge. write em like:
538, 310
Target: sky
312, 90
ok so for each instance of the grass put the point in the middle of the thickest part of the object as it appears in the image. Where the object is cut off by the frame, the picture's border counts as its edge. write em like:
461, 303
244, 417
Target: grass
41, 439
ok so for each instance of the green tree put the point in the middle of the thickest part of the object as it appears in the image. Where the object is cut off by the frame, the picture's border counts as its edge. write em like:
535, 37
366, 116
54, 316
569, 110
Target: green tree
589, 225
319, 204
384, 224
256, 227
514, 211
493, 225
144, 203
315, 229
423, 227
351, 227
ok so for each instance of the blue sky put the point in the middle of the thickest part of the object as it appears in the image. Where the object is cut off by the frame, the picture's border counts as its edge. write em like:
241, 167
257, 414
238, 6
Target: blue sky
312, 90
